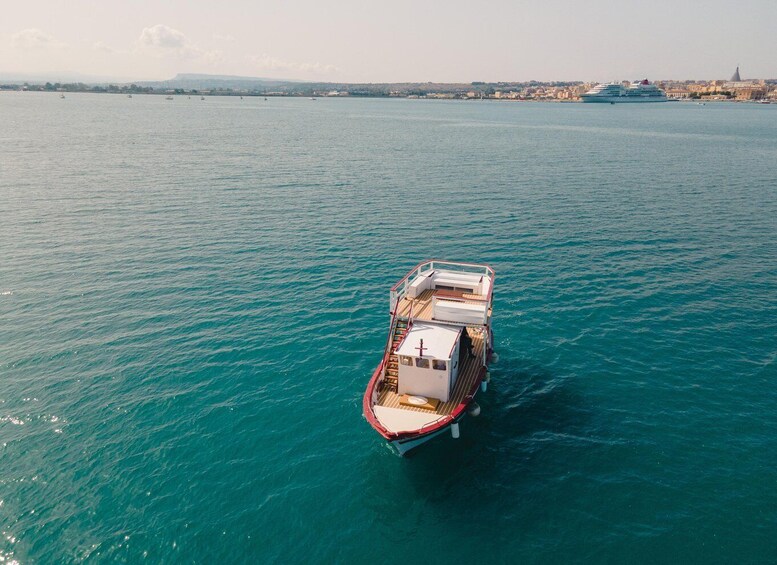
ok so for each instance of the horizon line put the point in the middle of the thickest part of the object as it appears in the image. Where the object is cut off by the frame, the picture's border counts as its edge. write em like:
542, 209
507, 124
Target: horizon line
35, 78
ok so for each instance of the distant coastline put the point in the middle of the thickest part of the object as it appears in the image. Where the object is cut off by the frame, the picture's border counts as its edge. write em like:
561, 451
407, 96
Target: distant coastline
557, 91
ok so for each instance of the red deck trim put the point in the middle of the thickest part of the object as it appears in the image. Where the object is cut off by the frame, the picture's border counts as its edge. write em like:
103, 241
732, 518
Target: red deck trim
367, 403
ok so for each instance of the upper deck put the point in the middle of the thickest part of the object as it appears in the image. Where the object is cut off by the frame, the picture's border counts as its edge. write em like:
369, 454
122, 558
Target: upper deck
447, 292
423, 306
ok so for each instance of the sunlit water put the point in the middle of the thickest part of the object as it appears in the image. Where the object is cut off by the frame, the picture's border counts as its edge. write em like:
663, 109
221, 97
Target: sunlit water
193, 295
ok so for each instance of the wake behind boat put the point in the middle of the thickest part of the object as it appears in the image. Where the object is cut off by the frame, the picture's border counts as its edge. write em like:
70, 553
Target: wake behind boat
437, 353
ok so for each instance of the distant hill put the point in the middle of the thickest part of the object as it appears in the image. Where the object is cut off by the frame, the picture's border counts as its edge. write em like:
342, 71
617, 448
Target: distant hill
190, 81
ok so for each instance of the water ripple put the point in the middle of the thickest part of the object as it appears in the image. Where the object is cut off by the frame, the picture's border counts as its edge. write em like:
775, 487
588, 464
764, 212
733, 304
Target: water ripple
194, 295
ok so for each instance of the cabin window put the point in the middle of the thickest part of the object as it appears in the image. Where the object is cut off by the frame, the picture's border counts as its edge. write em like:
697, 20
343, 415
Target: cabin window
422, 363
408, 361
438, 365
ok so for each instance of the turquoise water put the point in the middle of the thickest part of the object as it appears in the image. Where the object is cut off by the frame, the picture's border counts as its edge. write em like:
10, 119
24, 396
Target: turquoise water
193, 295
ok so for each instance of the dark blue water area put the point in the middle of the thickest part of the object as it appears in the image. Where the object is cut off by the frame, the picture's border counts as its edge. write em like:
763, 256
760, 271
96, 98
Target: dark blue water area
194, 294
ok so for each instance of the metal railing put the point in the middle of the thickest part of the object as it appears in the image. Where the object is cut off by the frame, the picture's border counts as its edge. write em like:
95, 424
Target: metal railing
387, 351
399, 290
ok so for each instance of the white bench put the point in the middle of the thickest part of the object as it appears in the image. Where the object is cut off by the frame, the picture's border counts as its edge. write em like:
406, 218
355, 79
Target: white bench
421, 283
459, 280
460, 312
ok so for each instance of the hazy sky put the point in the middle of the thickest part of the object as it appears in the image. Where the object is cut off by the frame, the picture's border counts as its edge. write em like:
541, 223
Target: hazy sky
391, 40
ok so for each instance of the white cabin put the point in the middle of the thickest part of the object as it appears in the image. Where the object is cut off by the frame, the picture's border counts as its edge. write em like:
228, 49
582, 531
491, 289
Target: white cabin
429, 361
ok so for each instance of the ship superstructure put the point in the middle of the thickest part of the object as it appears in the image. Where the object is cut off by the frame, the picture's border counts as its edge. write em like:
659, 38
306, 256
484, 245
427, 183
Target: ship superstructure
613, 92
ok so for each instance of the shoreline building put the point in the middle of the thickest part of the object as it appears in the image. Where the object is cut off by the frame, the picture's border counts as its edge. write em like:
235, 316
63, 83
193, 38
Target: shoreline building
745, 89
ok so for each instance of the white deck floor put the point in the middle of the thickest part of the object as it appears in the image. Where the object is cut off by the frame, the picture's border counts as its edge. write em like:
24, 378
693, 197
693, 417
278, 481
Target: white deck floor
399, 420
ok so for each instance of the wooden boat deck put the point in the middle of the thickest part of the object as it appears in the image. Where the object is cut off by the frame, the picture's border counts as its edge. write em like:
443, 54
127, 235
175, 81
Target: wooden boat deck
467, 377
421, 307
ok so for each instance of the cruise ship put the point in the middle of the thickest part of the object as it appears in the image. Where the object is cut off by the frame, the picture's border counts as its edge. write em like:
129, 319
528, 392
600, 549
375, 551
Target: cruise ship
637, 91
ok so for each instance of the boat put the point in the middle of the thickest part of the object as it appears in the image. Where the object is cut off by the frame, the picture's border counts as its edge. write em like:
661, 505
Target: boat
168, 97
61, 95
202, 98
436, 355
129, 95
637, 91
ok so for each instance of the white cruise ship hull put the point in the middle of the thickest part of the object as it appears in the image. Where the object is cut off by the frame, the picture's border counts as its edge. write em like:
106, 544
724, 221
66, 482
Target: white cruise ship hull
613, 93
622, 99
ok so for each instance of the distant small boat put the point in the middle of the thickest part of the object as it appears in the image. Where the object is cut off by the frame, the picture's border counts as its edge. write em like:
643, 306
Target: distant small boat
312, 98
61, 95
265, 98
241, 98
202, 98
129, 95
168, 98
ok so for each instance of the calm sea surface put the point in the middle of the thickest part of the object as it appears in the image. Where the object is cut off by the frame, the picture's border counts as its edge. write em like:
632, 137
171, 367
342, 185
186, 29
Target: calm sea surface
193, 295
